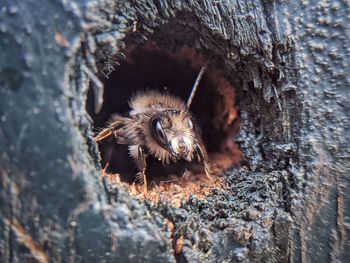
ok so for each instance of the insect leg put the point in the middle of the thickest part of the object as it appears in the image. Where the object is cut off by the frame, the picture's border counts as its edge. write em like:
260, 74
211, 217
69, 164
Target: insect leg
103, 134
202, 156
113, 129
142, 164
207, 170
138, 153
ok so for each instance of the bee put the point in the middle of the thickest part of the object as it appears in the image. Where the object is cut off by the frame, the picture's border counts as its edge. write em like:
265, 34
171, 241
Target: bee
159, 125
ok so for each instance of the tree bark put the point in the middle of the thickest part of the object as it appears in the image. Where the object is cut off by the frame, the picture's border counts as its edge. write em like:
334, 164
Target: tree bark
288, 202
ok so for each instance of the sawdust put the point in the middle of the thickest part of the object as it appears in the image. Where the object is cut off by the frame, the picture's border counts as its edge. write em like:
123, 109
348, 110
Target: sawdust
173, 191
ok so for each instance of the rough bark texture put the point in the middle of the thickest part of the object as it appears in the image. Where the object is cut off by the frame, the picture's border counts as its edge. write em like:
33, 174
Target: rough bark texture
289, 202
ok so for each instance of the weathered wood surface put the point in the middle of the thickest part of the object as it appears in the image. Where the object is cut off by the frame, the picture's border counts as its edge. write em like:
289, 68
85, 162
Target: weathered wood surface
289, 203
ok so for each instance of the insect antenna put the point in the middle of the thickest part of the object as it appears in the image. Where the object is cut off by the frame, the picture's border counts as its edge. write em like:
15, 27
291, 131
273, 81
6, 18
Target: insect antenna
195, 86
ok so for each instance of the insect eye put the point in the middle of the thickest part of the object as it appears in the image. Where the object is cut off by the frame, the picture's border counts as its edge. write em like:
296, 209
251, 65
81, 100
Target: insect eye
158, 132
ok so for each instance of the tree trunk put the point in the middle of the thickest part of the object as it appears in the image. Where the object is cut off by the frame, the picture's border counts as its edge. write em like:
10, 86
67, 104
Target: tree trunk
287, 202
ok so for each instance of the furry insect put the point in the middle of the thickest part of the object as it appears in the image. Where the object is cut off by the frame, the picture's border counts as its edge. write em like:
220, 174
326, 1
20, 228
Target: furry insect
160, 125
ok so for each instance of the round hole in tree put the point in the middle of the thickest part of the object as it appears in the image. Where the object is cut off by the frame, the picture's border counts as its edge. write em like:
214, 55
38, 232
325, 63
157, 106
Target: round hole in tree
152, 67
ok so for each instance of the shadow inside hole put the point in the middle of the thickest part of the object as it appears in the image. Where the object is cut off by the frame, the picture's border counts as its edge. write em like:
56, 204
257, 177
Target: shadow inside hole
150, 68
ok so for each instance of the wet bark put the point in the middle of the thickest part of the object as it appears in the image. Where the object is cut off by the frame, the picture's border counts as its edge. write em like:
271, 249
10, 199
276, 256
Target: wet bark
288, 202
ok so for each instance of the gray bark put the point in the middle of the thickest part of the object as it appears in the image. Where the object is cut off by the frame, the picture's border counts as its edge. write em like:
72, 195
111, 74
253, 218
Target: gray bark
289, 202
